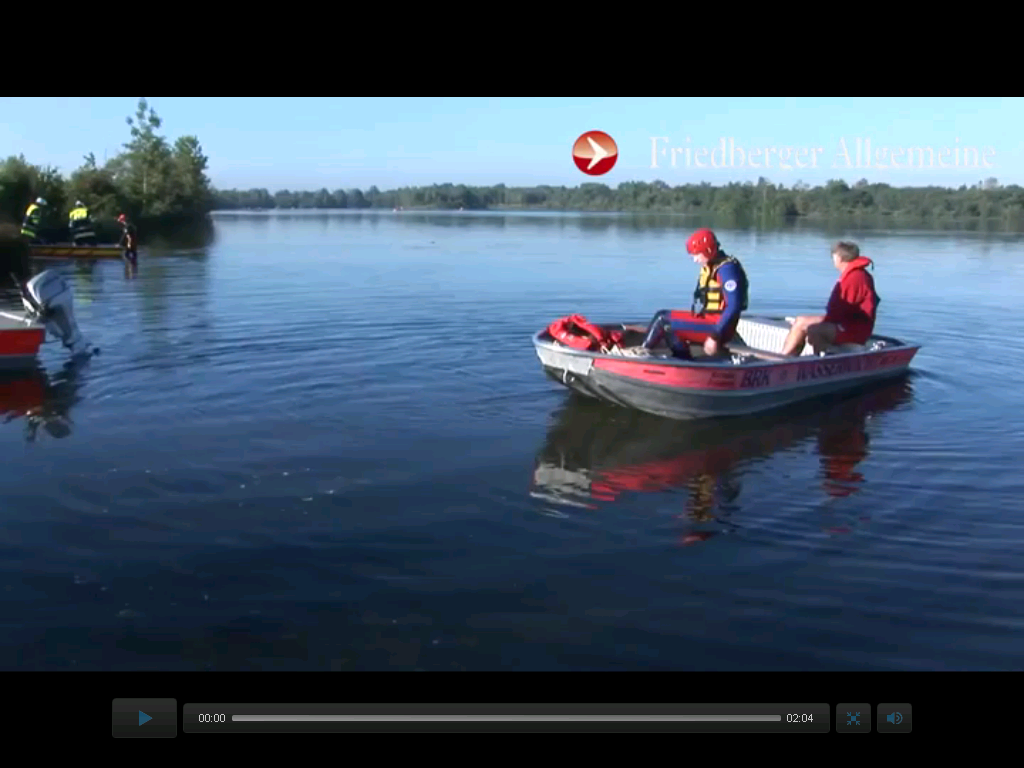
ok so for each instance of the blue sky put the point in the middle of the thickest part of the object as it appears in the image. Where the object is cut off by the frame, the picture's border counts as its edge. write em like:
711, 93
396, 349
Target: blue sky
308, 143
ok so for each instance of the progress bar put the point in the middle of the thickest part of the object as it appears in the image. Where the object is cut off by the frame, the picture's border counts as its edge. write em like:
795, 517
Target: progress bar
506, 718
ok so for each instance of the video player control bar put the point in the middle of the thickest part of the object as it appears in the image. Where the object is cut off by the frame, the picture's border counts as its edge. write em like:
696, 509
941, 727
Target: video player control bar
510, 718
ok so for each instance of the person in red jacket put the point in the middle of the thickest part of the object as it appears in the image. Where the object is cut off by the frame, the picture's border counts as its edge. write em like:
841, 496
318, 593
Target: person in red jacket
852, 308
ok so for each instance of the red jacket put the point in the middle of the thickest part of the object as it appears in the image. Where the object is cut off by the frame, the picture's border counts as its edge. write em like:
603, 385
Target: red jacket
854, 302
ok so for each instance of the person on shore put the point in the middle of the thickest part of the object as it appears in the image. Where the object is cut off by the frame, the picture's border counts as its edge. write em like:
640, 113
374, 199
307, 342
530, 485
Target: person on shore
719, 299
33, 222
129, 239
80, 225
852, 308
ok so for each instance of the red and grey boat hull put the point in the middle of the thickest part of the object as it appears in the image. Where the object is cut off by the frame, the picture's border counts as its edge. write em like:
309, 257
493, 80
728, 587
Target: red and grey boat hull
695, 389
19, 343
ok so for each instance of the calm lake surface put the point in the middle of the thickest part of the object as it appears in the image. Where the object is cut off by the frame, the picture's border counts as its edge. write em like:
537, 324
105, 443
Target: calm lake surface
324, 442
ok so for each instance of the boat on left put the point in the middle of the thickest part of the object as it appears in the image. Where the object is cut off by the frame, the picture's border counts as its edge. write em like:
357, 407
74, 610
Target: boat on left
48, 309
72, 251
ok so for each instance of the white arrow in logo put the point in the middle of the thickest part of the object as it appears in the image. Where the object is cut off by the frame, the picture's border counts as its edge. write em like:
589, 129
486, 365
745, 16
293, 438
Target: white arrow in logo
600, 153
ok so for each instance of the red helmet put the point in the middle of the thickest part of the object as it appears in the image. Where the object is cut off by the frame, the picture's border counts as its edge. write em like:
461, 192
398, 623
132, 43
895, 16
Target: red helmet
703, 241
122, 218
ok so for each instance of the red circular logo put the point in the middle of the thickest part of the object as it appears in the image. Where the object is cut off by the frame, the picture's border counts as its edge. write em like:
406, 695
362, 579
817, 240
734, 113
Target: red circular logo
595, 153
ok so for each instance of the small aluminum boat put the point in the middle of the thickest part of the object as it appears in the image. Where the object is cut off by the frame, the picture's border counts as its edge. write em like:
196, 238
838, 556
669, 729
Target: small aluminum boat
752, 378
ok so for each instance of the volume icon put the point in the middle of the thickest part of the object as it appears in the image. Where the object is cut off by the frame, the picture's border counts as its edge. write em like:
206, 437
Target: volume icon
894, 717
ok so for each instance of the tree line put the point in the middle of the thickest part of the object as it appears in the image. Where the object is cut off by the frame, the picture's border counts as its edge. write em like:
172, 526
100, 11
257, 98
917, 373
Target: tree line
985, 200
152, 180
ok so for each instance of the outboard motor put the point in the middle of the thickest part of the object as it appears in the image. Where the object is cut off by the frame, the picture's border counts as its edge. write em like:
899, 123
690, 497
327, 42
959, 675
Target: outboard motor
47, 296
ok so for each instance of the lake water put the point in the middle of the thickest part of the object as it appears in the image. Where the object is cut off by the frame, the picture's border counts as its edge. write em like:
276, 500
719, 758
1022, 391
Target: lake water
324, 442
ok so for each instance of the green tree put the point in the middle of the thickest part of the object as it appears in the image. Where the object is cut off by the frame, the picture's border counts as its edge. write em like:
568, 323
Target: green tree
143, 170
17, 187
356, 199
21, 183
96, 188
192, 194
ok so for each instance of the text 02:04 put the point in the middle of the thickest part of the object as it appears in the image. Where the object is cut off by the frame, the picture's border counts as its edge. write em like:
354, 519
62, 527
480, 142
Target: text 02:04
211, 718
799, 718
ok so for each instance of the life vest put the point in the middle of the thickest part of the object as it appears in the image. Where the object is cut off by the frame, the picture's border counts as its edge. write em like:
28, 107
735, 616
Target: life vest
33, 218
579, 333
708, 294
80, 224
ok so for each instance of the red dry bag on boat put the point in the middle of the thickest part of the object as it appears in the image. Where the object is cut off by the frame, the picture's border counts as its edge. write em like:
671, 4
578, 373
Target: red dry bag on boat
579, 333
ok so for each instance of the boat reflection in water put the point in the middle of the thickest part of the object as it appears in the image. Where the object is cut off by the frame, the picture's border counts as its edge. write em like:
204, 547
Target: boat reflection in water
599, 454
40, 400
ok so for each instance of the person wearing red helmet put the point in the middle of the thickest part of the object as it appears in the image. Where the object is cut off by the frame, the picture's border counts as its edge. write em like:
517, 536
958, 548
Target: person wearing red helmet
850, 315
129, 239
720, 297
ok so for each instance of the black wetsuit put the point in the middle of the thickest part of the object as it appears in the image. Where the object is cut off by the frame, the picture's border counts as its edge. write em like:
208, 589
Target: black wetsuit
130, 240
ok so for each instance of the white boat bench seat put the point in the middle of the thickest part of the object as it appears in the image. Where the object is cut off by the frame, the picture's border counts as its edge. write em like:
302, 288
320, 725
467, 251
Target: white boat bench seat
769, 335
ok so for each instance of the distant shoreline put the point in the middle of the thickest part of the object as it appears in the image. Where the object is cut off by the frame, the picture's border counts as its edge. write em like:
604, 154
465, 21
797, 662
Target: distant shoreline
522, 209
985, 201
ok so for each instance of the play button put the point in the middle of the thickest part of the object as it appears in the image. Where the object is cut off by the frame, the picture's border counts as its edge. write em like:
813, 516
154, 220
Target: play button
595, 153
159, 716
